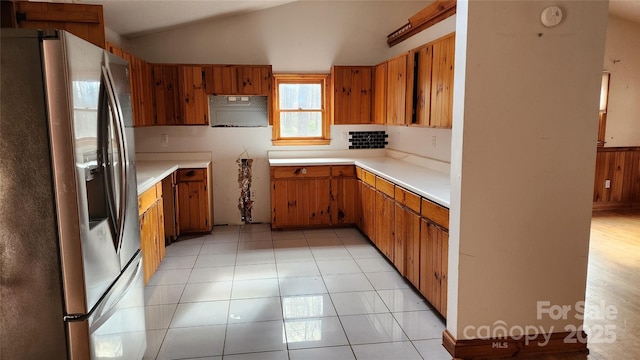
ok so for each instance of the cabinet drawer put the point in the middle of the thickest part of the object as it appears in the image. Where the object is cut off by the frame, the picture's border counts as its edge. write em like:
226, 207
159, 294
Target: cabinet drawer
368, 178
192, 175
385, 186
359, 173
436, 213
279, 172
343, 171
408, 199
149, 197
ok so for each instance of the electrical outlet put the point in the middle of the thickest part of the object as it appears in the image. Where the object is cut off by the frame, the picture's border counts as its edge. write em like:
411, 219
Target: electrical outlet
433, 141
607, 184
253, 194
164, 140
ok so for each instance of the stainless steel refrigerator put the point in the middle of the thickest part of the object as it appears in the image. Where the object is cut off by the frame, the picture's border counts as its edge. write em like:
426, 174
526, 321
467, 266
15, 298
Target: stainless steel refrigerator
71, 276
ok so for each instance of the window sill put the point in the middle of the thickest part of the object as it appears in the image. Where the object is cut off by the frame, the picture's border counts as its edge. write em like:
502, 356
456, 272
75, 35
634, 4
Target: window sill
300, 142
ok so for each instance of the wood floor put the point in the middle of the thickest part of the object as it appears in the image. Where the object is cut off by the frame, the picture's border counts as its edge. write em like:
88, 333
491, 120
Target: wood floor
613, 280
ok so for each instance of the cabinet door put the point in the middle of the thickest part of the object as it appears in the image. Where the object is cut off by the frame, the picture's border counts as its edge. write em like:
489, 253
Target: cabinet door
238, 79
380, 94
84, 21
384, 226
343, 196
396, 90
256, 80
195, 107
422, 90
442, 82
141, 85
406, 255
301, 202
352, 94
434, 252
141, 92
193, 205
166, 95
148, 241
369, 211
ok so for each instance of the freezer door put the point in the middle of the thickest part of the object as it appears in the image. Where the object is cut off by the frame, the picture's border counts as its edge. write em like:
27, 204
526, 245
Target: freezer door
117, 329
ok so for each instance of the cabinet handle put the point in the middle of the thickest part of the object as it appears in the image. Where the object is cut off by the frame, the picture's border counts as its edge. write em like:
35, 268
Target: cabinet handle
302, 171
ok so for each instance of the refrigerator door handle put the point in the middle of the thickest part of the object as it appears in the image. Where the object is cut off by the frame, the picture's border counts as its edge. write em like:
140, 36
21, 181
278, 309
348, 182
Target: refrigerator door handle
122, 153
104, 298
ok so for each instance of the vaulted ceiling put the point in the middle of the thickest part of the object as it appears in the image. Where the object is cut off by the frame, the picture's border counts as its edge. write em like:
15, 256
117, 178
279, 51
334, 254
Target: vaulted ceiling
133, 18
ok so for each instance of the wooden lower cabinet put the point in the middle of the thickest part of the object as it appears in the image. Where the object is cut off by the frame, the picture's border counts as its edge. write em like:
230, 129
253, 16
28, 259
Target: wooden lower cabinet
193, 201
384, 212
434, 255
301, 202
368, 202
313, 196
151, 216
343, 196
410, 231
406, 255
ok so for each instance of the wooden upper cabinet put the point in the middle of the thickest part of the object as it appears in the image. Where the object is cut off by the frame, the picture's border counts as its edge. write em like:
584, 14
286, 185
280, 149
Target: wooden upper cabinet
352, 94
141, 86
194, 104
396, 90
166, 95
420, 62
237, 79
442, 82
84, 21
380, 94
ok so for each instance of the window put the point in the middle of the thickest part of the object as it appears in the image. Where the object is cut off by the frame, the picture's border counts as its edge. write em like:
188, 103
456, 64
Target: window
300, 109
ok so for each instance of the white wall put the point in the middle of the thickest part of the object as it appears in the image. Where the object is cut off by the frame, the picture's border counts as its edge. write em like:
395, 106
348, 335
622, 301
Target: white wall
306, 36
523, 159
227, 145
622, 59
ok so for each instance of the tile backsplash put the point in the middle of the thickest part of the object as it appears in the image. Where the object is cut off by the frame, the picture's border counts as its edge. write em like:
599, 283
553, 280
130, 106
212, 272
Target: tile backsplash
367, 139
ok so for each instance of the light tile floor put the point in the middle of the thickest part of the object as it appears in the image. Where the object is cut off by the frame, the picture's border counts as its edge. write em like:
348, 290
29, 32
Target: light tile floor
245, 292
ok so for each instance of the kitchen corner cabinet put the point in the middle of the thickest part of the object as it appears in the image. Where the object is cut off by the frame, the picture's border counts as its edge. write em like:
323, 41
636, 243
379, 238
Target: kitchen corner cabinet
84, 21
312, 196
193, 201
141, 86
352, 94
237, 79
396, 90
151, 216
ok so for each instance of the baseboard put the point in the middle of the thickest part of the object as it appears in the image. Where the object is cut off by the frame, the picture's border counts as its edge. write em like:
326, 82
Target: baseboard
509, 347
601, 206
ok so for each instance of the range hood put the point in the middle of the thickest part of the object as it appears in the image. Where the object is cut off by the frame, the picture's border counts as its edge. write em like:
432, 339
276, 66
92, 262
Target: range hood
238, 111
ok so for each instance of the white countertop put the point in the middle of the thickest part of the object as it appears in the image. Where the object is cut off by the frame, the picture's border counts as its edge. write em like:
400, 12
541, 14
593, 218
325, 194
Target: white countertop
149, 172
428, 183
